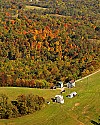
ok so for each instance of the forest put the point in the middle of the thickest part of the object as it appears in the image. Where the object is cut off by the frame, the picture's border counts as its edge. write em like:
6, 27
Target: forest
39, 47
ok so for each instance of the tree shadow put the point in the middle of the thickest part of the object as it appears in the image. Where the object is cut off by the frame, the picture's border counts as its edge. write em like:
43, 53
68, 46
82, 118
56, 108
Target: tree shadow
94, 123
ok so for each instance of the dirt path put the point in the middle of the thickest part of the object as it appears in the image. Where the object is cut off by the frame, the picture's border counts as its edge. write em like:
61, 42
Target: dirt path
88, 76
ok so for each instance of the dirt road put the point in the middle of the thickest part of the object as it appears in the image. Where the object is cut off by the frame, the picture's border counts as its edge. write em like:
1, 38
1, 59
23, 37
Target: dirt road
88, 76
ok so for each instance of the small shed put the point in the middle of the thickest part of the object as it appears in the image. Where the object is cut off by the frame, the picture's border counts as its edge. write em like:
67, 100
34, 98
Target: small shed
71, 84
59, 99
71, 95
60, 84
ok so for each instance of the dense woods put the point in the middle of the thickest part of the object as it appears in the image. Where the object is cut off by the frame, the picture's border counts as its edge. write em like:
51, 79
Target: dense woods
59, 41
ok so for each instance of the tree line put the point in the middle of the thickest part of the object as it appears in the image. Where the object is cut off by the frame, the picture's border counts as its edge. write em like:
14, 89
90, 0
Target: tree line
23, 105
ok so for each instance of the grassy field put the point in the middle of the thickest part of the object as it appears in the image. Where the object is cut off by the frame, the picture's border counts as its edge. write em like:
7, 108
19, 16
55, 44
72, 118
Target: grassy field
76, 111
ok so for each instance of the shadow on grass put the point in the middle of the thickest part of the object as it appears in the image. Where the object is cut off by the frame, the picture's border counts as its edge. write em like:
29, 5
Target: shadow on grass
95, 123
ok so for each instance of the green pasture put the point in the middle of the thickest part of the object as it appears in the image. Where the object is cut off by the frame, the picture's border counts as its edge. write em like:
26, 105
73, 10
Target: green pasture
79, 110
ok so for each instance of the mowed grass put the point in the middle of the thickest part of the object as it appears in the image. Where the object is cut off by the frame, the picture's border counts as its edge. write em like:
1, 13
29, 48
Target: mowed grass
76, 111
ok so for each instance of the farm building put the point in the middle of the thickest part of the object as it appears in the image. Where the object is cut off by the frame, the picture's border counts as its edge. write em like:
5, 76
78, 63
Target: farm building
71, 95
71, 84
59, 99
60, 84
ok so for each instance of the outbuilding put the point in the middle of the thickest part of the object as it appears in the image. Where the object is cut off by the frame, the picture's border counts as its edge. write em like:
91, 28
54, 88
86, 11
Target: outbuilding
71, 95
59, 99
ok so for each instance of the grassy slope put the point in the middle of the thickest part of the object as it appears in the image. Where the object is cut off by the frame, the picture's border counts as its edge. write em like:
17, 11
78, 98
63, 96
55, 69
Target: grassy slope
76, 111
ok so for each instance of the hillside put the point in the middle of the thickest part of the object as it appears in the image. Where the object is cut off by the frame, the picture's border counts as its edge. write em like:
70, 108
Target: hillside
48, 41
79, 110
